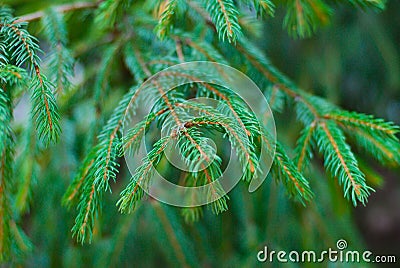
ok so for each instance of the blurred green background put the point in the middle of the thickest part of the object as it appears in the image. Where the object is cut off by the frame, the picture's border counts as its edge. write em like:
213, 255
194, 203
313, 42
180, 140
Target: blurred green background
354, 62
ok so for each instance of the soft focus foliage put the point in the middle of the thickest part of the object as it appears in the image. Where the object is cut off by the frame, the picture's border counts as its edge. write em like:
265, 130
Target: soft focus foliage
78, 68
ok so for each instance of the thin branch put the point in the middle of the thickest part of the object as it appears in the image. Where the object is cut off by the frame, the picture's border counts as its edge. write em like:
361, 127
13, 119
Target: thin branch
306, 143
346, 168
78, 186
179, 52
87, 212
275, 80
62, 9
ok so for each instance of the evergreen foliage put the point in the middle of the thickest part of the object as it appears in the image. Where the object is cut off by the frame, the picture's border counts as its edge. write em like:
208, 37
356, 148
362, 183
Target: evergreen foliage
136, 41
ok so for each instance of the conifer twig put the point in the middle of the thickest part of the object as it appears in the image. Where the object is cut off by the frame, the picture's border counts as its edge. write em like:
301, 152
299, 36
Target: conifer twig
61, 8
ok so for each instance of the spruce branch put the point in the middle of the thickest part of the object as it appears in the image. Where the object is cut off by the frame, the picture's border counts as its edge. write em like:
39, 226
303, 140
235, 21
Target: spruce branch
107, 12
245, 149
99, 166
304, 16
28, 169
88, 209
45, 110
383, 149
167, 12
285, 171
262, 65
319, 117
25, 48
276, 98
60, 58
109, 147
12, 75
368, 123
374, 135
134, 191
205, 49
224, 15
340, 161
132, 62
313, 109
102, 82
75, 189
304, 146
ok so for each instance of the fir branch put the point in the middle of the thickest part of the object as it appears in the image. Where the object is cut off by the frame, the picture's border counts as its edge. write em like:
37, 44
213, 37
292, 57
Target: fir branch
207, 50
75, 189
27, 166
134, 191
12, 75
304, 146
45, 111
296, 185
109, 146
262, 65
132, 62
385, 150
167, 12
88, 209
304, 16
224, 14
101, 83
107, 12
98, 168
44, 108
373, 125
340, 161
244, 148
60, 58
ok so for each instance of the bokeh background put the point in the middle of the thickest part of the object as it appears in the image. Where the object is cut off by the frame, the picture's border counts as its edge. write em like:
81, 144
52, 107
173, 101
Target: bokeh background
354, 62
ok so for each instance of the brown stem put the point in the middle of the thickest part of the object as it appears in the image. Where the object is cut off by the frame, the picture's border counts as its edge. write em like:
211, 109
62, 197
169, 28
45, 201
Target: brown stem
62, 9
